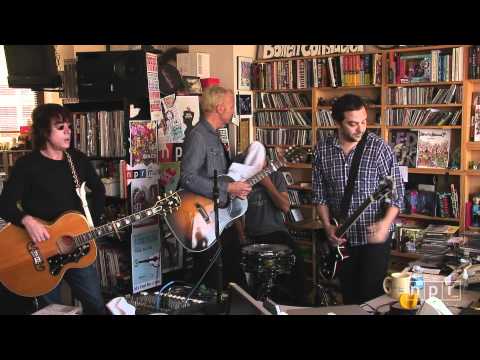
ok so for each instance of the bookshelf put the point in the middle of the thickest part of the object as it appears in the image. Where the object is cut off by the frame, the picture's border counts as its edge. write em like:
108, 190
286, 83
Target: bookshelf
383, 81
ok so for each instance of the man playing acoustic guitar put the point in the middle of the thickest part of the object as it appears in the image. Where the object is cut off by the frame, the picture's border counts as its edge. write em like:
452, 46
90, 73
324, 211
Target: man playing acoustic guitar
42, 184
368, 240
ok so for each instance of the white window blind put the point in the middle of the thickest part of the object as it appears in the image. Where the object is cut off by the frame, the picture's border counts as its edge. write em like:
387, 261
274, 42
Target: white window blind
16, 105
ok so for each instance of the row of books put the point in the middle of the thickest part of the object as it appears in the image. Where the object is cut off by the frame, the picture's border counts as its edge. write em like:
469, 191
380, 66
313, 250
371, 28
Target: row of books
425, 95
474, 62
100, 133
433, 66
322, 134
431, 203
112, 263
345, 70
421, 117
297, 197
284, 136
282, 118
432, 240
281, 100
324, 118
69, 79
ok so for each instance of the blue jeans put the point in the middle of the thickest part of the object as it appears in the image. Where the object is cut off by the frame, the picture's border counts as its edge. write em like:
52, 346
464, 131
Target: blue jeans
85, 287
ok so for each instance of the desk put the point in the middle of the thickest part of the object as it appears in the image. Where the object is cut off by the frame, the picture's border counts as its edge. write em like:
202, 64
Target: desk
454, 298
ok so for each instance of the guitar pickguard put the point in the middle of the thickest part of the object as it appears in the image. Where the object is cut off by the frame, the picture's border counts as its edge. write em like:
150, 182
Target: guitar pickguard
57, 262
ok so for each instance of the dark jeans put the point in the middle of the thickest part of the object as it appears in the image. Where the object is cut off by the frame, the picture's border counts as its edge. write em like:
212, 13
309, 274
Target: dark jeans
230, 261
297, 278
362, 274
85, 287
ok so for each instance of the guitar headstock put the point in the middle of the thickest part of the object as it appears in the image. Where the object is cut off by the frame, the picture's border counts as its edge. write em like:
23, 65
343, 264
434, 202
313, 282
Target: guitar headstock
385, 188
167, 204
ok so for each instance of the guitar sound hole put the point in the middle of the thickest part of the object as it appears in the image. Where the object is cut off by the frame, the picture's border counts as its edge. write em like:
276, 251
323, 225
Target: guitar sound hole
66, 245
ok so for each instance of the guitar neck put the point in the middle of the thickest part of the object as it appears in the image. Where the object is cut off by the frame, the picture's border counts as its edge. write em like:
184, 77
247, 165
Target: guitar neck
109, 228
342, 229
257, 178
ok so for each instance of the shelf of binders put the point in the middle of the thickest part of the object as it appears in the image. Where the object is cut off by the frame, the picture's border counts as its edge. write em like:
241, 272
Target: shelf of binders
426, 217
328, 107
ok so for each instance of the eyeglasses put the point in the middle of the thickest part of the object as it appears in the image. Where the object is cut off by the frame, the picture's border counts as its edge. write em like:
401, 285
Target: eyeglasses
61, 126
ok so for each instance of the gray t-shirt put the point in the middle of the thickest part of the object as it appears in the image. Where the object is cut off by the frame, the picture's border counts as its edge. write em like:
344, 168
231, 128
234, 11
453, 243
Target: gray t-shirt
263, 216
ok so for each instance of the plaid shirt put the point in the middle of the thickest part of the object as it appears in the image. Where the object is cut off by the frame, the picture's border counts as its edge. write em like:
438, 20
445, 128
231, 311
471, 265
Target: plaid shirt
330, 175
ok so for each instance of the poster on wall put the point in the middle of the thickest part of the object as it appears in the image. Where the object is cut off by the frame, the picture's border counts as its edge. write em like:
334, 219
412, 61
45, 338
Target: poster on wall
169, 176
143, 181
143, 142
244, 66
171, 128
189, 109
172, 252
153, 87
146, 258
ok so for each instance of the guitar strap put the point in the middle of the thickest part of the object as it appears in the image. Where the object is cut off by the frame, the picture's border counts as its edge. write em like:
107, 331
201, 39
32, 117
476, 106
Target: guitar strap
80, 189
352, 176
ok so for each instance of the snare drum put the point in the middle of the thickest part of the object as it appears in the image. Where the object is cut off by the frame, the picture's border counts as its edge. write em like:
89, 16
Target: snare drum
261, 258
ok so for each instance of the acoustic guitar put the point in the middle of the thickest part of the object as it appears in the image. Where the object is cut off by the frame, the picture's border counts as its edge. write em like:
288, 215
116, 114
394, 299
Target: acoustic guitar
33, 269
193, 225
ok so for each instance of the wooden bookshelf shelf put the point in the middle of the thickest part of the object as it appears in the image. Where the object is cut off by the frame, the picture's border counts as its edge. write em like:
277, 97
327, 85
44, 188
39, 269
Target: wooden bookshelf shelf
261, 61
328, 107
405, 255
423, 48
472, 145
472, 172
425, 217
287, 146
298, 187
284, 90
299, 165
393, 127
422, 106
284, 127
439, 83
434, 171
285, 109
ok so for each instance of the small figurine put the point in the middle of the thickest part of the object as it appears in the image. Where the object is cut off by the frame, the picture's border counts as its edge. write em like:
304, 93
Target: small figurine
476, 211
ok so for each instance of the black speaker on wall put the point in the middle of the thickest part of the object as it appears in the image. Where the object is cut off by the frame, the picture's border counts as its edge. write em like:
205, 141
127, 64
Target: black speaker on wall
112, 75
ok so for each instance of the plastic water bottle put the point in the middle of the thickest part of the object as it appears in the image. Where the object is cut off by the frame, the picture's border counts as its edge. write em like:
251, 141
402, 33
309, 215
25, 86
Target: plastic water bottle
417, 282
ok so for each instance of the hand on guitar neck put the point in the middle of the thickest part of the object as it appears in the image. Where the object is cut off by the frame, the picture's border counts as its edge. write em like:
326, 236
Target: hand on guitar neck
334, 240
239, 189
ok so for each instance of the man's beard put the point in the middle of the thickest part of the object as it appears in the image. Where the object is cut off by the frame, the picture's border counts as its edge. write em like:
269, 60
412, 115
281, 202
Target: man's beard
351, 138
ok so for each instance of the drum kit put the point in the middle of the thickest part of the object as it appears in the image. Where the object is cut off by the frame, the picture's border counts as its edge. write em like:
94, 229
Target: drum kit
263, 264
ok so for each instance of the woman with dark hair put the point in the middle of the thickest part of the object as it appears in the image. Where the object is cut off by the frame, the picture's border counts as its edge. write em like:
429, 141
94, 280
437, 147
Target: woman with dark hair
41, 186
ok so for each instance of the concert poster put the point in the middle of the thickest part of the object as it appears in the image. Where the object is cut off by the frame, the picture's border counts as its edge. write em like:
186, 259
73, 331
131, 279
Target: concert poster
169, 176
146, 258
143, 142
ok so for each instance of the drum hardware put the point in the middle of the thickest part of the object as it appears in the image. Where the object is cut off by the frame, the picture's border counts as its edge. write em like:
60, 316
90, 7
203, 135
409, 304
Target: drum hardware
262, 264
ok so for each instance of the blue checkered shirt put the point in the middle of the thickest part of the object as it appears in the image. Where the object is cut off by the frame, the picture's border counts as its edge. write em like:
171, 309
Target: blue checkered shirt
330, 175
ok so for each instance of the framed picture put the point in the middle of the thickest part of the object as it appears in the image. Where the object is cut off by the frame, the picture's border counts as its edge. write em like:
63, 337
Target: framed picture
193, 84
244, 104
244, 66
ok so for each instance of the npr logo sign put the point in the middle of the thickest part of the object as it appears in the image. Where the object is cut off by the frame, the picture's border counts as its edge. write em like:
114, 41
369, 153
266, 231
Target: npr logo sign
171, 152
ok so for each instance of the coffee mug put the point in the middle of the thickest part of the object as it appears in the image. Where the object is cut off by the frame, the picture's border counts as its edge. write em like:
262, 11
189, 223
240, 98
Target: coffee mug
397, 284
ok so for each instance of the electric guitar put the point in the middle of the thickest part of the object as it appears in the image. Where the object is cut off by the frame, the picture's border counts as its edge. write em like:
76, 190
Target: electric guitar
193, 225
33, 269
338, 253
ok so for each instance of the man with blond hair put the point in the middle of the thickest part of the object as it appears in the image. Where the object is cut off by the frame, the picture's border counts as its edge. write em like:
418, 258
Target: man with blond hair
203, 152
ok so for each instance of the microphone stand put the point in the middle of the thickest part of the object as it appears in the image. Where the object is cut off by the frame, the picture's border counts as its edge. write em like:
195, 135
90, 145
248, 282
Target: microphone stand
216, 256
216, 195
